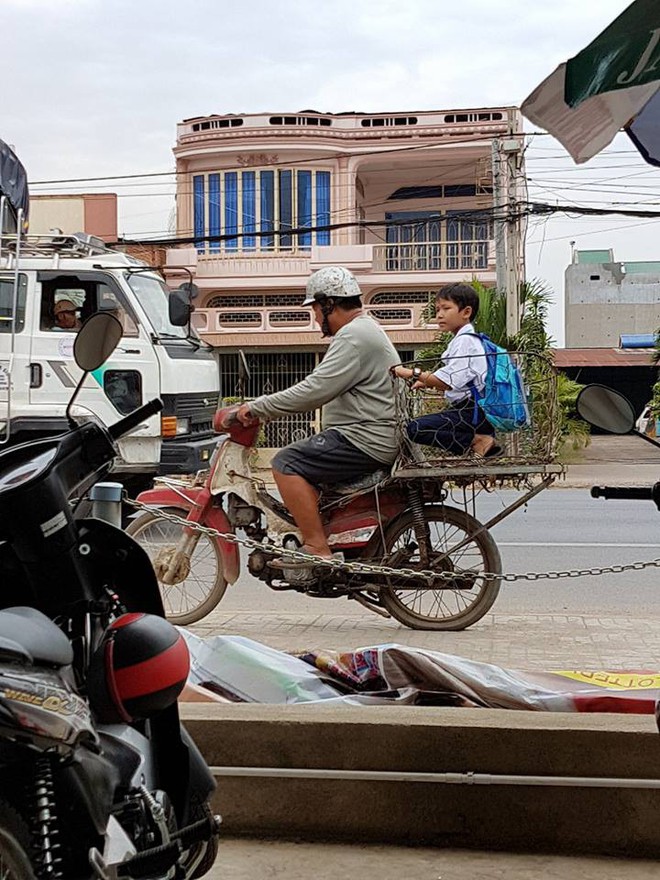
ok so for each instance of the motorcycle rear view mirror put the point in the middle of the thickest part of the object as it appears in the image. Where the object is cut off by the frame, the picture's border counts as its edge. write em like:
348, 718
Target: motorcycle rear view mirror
606, 409
96, 340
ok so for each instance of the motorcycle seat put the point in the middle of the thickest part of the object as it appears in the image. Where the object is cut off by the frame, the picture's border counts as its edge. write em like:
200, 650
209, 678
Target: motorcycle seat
359, 484
28, 636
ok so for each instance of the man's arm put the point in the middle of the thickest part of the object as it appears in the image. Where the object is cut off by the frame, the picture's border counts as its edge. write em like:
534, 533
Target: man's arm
335, 374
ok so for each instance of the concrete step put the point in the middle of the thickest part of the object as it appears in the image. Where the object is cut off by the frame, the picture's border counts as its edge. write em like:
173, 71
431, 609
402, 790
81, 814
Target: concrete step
411, 740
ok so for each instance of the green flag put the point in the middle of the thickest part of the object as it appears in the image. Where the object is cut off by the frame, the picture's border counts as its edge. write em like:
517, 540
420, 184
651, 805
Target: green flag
626, 54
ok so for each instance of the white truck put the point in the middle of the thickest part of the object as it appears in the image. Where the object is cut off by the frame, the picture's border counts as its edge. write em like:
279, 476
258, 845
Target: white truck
48, 285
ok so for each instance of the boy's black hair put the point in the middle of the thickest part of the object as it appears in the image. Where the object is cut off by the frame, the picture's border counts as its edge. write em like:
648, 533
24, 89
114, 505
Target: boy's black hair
463, 295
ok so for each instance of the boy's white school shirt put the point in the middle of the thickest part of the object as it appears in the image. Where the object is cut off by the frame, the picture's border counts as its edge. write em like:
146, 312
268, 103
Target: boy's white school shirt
464, 363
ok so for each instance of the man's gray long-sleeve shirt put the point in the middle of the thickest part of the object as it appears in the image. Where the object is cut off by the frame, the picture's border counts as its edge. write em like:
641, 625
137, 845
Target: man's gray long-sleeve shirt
353, 385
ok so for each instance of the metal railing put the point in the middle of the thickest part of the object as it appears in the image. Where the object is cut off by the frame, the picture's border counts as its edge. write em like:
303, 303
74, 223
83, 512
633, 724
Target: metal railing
290, 320
431, 256
535, 442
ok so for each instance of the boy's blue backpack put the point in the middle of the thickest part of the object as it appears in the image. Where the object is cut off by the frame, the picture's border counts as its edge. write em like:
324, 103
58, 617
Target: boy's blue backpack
503, 399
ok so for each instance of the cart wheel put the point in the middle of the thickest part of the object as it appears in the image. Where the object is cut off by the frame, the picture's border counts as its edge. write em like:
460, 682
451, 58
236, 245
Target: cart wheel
200, 585
468, 596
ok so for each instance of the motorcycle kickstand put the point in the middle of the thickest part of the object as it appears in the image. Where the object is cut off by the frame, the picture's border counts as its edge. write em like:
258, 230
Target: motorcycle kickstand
367, 604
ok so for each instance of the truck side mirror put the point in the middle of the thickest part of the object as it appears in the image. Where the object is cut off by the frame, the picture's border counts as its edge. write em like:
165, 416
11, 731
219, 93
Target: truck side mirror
179, 307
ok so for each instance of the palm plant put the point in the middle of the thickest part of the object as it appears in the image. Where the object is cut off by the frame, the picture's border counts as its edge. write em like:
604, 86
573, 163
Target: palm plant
655, 397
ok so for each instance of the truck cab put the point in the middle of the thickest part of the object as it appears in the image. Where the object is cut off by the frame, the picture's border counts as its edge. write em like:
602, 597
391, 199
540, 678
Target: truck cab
48, 287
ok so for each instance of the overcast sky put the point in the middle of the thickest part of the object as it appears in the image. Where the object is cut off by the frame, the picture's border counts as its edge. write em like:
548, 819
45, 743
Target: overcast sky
96, 87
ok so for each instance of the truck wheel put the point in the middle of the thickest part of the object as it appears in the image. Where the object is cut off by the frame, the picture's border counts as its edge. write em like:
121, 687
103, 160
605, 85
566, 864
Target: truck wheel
200, 584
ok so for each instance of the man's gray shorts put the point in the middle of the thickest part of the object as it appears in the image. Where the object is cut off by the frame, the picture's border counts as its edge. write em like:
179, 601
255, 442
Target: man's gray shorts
327, 457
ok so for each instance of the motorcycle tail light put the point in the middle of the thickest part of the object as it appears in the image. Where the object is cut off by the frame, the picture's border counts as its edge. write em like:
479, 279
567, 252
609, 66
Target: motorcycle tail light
140, 668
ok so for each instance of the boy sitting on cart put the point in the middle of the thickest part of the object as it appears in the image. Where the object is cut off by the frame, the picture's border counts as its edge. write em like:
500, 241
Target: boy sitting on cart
463, 425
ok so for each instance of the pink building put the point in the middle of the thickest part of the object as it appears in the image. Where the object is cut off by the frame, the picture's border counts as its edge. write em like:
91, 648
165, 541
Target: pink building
419, 182
94, 213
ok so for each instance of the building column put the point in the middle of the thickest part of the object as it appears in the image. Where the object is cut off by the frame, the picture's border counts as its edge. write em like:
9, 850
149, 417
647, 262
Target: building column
343, 207
184, 200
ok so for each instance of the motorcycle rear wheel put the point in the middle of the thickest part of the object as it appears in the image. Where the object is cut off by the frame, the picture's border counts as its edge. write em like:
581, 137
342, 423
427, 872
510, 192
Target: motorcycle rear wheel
14, 842
198, 593
465, 600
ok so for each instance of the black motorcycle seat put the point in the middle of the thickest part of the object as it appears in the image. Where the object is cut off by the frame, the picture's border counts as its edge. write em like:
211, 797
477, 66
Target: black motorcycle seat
357, 484
27, 635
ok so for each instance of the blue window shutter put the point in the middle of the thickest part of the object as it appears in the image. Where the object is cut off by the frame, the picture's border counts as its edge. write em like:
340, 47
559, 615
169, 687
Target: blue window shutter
267, 184
198, 210
214, 209
323, 206
249, 212
286, 207
305, 208
231, 209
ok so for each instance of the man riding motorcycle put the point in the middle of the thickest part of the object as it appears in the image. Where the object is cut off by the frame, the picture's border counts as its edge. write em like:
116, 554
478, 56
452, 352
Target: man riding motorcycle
352, 384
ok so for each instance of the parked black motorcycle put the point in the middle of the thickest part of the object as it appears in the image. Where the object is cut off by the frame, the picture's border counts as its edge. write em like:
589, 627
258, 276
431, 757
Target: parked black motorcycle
612, 412
97, 777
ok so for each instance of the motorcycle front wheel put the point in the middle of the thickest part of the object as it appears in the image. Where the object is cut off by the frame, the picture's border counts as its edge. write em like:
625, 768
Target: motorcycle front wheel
14, 836
468, 595
200, 584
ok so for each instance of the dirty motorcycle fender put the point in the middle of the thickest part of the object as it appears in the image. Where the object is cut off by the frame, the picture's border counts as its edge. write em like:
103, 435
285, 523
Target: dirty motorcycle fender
213, 518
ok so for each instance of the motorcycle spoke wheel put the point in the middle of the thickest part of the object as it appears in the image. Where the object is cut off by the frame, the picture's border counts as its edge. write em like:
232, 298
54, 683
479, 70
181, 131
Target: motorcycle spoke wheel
14, 836
468, 595
202, 586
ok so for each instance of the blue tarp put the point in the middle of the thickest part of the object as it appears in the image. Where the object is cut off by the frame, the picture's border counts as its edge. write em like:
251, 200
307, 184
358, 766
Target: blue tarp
637, 340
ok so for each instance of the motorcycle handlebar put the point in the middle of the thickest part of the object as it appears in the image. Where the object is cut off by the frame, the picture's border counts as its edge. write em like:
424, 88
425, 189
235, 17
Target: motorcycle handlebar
630, 493
123, 426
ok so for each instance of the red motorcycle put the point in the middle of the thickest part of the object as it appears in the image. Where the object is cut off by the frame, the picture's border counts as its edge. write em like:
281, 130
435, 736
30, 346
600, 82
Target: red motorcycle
406, 553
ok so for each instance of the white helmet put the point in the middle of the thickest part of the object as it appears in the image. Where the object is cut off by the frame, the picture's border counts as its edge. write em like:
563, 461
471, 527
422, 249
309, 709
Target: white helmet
331, 281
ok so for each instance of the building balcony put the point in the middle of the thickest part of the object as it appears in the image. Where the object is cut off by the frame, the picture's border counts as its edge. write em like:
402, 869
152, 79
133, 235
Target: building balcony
375, 264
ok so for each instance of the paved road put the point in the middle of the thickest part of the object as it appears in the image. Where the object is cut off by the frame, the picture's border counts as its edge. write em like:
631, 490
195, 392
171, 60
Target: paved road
611, 621
559, 529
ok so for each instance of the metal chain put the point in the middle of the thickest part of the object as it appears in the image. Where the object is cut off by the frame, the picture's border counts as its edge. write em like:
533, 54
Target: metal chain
366, 568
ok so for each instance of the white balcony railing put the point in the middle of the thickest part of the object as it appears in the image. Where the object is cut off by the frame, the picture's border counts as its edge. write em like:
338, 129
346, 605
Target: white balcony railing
432, 256
467, 255
283, 320
245, 263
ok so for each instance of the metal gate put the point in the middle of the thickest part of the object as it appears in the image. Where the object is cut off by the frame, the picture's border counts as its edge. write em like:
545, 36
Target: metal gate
275, 371
272, 372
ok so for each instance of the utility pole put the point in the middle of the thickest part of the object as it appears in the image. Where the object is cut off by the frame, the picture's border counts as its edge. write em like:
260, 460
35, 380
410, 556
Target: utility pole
499, 224
507, 165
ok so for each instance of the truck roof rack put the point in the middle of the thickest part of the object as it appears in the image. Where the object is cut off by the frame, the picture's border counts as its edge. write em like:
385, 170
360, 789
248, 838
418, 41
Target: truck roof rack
78, 244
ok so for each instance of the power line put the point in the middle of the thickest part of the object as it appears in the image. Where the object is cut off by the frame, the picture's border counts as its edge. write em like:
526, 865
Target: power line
483, 214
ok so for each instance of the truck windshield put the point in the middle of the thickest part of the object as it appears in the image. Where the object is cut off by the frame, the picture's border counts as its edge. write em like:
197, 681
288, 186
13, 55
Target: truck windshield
152, 295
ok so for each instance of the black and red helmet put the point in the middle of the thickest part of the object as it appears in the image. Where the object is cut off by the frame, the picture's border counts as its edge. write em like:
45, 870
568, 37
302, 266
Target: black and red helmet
140, 668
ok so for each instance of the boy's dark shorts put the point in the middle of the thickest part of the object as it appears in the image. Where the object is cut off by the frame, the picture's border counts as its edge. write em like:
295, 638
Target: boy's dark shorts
327, 457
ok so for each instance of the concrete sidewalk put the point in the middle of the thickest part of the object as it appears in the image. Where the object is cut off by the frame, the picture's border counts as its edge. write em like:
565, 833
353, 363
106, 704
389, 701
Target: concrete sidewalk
613, 461
518, 641
241, 859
